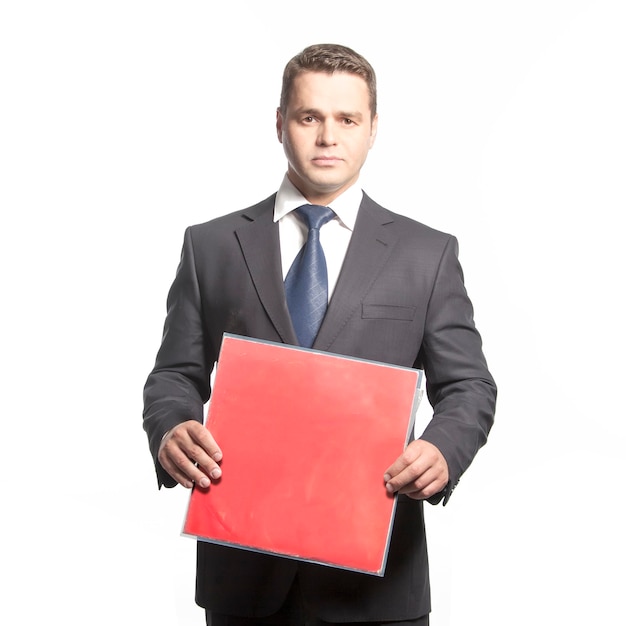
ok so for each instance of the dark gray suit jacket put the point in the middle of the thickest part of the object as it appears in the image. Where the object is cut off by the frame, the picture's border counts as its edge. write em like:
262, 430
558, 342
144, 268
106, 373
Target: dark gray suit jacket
400, 299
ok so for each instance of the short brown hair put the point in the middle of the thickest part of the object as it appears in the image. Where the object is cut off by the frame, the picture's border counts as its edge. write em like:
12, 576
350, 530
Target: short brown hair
328, 58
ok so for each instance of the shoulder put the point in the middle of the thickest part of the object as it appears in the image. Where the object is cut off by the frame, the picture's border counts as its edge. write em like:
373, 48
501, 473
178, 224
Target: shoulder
263, 210
405, 226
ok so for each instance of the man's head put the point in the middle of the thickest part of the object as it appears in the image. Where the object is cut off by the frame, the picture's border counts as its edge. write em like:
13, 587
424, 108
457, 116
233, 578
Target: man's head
328, 58
327, 120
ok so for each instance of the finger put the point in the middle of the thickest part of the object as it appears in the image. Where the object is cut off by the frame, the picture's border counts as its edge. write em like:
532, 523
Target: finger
400, 464
202, 460
180, 466
424, 486
201, 435
203, 451
427, 492
188, 454
408, 476
407, 468
419, 457
181, 476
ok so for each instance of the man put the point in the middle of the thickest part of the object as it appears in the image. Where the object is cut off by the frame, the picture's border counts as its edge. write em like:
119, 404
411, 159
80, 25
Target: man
395, 295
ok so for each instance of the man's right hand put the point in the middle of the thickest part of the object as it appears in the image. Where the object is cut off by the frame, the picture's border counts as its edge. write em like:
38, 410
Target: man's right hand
189, 454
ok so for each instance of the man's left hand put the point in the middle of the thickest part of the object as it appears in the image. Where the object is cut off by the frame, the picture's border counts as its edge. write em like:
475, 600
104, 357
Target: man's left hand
419, 472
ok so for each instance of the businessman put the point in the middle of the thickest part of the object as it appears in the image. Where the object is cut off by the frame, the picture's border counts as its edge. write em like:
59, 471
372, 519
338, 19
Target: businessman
385, 287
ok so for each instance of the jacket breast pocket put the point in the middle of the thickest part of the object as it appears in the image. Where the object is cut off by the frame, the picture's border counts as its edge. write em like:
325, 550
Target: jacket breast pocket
388, 312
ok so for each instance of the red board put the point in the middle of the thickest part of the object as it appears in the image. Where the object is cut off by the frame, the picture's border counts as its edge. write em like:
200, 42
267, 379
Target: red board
306, 437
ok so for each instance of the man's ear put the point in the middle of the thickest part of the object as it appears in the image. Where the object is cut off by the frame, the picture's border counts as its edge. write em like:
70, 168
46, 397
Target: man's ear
279, 125
374, 130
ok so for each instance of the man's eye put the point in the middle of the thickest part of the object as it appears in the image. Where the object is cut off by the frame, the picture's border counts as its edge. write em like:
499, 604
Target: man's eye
309, 118
348, 121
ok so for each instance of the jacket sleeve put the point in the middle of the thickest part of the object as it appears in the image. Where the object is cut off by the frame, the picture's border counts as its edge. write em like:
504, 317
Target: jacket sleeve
178, 386
460, 388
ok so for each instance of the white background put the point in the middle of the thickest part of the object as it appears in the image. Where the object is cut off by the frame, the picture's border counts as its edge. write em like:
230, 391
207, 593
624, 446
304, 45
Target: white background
122, 122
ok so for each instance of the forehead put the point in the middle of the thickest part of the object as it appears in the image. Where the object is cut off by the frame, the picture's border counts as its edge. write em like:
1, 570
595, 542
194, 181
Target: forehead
338, 91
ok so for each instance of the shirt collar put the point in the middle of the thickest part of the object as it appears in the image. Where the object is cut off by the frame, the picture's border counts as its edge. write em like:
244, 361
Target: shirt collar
346, 206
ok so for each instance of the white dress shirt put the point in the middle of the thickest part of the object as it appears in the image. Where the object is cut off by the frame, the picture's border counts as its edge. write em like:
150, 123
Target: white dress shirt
334, 235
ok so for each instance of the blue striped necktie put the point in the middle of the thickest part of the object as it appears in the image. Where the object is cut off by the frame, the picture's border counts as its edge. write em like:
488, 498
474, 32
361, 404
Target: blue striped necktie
306, 284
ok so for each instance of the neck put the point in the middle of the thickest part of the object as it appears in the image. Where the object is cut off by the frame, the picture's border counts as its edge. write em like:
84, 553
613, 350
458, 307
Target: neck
316, 196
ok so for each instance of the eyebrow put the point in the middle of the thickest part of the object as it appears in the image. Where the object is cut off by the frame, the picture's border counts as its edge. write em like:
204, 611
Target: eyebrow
353, 116
343, 114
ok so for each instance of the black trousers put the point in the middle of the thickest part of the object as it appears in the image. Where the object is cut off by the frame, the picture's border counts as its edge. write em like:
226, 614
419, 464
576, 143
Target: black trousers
294, 613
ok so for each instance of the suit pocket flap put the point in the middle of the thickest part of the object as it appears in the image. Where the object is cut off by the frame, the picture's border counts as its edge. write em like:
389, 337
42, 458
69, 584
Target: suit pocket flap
388, 312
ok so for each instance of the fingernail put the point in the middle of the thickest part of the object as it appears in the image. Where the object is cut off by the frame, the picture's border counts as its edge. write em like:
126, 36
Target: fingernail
204, 483
217, 457
216, 473
386, 478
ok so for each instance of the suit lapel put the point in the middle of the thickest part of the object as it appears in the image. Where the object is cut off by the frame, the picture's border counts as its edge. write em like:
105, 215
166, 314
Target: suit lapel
371, 245
260, 245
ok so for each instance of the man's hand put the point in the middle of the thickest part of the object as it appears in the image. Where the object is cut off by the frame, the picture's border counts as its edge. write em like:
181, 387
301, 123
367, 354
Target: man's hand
419, 472
189, 454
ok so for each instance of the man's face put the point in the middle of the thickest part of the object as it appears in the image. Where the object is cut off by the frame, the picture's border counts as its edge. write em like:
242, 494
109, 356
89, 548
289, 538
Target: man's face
326, 132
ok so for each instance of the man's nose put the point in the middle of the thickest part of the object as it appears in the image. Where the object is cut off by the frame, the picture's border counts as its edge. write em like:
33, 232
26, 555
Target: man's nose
327, 134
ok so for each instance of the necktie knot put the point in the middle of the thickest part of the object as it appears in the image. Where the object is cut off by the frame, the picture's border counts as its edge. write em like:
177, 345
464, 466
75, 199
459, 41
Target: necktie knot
315, 216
